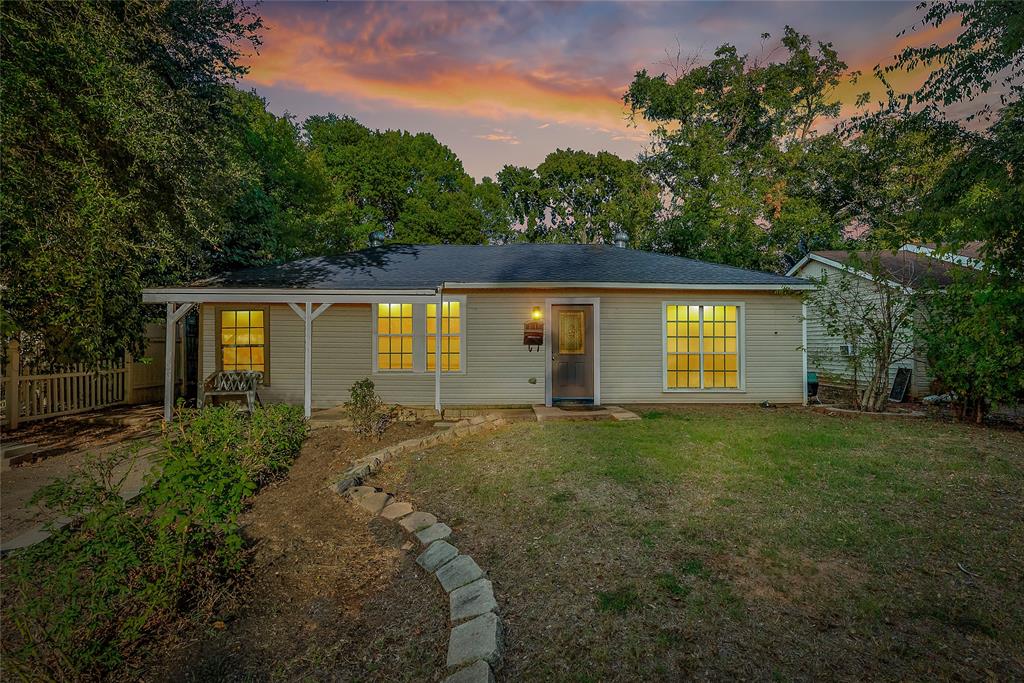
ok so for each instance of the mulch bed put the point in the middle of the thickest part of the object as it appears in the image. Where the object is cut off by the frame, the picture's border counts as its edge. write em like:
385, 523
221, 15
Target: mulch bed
329, 594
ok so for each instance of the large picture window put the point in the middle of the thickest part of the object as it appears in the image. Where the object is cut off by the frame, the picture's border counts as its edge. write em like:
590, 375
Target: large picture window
243, 340
702, 346
451, 336
394, 337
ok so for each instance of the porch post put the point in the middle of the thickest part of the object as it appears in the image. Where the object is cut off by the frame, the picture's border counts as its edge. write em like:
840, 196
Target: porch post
307, 389
438, 330
308, 315
169, 364
174, 314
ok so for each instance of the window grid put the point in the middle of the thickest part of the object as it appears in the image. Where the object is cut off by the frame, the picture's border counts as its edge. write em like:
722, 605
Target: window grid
702, 346
394, 337
243, 340
451, 336
721, 358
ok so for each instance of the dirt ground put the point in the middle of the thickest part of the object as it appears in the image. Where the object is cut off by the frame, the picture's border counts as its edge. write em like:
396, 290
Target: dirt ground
330, 593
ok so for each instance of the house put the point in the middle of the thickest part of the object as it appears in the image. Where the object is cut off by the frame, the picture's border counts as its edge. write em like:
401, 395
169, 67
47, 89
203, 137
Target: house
908, 268
619, 325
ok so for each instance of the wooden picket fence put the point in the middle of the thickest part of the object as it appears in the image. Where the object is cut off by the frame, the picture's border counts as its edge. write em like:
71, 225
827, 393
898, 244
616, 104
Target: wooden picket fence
73, 389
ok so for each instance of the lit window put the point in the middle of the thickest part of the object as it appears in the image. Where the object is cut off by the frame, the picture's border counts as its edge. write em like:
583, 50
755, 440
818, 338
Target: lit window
394, 336
243, 340
701, 347
451, 336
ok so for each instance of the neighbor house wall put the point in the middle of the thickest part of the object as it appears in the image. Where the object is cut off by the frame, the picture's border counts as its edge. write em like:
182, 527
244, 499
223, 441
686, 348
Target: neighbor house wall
833, 369
499, 370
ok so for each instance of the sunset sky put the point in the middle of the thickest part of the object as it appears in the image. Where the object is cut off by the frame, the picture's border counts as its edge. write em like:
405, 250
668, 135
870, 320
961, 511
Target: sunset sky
508, 83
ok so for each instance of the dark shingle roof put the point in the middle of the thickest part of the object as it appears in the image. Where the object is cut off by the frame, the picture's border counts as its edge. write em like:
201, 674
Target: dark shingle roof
427, 266
905, 267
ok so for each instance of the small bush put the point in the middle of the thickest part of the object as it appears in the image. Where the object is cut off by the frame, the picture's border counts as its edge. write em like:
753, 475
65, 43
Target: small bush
80, 604
368, 413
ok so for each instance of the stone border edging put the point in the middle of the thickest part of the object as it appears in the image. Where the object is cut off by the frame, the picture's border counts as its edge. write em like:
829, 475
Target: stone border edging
475, 642
369, 464
826, 409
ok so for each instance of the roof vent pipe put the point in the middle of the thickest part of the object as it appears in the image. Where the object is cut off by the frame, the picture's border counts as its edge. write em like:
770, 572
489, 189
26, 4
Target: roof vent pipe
620, 239
376, 238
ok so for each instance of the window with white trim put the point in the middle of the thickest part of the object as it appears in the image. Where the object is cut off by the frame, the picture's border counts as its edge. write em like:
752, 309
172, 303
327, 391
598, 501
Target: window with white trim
394, 337
702, 346
451, 336
405, 336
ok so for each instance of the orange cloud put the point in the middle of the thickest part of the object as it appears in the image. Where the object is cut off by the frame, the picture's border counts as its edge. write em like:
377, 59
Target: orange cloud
301, 55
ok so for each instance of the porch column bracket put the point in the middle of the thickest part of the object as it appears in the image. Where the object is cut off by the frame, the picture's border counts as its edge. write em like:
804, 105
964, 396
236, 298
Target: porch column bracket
308, 315
175, 312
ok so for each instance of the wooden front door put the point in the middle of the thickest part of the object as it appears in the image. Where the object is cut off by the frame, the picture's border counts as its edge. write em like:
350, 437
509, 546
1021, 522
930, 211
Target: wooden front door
572, 352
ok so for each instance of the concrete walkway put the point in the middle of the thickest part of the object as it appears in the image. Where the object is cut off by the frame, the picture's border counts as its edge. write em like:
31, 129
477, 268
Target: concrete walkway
25, 525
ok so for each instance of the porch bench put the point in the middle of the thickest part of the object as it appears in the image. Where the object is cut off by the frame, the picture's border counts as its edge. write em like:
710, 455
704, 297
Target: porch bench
234, 383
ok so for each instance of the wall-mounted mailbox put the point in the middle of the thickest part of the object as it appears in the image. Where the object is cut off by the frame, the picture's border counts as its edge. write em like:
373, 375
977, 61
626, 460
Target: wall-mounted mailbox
533, 334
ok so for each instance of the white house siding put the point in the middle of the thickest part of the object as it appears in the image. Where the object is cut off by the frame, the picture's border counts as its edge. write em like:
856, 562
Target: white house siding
819, 341
499, 369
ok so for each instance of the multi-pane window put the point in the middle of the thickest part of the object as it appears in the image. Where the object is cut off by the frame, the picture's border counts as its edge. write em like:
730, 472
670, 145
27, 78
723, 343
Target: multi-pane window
451, 336
394, 337
243, 340
701, 347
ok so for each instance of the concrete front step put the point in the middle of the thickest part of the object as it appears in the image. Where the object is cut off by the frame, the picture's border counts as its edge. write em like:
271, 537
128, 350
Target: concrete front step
557, 414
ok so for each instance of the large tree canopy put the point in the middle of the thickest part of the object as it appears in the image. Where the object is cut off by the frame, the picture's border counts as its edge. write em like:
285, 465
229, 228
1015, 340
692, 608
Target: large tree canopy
113, 172
410, 187
732, 150
576, 196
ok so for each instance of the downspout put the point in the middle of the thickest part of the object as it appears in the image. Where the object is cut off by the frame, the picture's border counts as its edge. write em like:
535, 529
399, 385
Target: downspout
438, 329
803, 320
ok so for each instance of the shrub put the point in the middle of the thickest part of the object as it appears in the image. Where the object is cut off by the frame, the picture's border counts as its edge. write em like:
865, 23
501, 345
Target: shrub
80, 604
368, 413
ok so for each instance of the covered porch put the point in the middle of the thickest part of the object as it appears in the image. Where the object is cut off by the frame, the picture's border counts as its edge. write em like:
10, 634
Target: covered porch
301, 308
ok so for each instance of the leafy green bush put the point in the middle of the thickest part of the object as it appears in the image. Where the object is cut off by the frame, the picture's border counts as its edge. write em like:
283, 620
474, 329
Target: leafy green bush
80, 604
368, 413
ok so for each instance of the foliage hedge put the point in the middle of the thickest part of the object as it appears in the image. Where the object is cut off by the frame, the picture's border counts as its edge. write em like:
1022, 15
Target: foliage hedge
80, 604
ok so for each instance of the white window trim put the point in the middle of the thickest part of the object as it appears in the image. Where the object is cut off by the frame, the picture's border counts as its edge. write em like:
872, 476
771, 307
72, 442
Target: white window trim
741, 347
419, 339
448, 298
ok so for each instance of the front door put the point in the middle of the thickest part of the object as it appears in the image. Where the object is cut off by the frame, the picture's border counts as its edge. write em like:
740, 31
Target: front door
572, 352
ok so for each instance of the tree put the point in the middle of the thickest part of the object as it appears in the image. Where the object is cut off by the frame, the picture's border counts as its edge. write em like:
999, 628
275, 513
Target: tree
972, 335
732, 151
576, 196
284, 196
410, 187
874, 317
113, 177
989, 51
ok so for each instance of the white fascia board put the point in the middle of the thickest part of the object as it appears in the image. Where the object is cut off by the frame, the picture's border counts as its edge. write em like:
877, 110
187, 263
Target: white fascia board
284, 296
624, 285
800, 264
855, 271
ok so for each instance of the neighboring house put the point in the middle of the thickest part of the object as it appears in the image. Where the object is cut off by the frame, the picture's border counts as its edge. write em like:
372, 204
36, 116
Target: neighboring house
620, 326
904, 268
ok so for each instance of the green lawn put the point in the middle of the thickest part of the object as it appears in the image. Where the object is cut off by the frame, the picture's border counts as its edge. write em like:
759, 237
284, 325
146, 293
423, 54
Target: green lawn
724, 542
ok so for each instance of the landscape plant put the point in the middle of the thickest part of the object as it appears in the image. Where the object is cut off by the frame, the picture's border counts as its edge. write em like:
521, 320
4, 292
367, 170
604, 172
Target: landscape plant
370, 416
82, 603
874, 317
973, 335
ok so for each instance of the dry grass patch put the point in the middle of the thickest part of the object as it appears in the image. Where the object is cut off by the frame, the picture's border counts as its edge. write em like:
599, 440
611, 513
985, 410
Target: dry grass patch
741, 542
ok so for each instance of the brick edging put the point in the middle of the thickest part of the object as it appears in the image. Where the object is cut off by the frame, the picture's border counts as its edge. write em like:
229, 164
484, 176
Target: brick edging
475, 642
